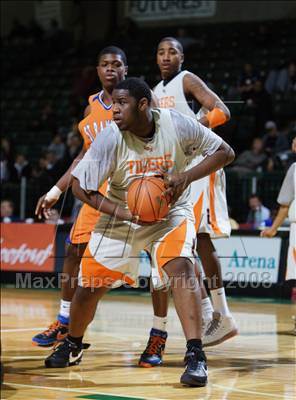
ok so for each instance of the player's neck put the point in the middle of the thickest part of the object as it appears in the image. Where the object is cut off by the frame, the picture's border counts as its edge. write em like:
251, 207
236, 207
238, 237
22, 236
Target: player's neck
107, 96
144, 128
167, 79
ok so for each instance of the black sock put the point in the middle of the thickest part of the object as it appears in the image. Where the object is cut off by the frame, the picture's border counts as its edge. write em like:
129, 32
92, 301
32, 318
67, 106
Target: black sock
75, 340
194, 345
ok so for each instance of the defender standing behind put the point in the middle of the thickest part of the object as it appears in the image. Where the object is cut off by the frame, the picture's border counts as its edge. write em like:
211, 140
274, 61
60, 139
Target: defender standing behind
112, 68
138, 134
177, 90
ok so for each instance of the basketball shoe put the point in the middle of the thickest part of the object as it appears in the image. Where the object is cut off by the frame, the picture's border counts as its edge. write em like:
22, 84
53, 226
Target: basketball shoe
152, 355
55, 332
65, 354
196, 372
221, 328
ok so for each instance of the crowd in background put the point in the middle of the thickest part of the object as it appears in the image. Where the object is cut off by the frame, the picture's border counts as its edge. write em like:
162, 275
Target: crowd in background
268, 142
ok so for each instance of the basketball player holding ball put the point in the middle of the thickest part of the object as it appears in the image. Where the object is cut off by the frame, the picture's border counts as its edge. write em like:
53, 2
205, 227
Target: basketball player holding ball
140, 132
186, 92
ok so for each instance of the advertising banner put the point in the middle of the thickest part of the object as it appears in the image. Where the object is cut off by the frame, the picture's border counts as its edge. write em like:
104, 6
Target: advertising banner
161, 10
249, 258
27, 247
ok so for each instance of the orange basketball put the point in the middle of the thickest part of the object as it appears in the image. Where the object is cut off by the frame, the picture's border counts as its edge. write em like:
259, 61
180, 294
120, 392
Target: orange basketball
145, 198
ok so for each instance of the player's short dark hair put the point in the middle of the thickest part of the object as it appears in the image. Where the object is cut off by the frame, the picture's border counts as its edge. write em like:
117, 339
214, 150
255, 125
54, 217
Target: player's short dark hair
113, 50
137, 88
172, 39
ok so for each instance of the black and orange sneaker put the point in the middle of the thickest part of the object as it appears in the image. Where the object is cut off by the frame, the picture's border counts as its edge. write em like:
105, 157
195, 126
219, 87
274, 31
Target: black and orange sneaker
54, 333
152, 355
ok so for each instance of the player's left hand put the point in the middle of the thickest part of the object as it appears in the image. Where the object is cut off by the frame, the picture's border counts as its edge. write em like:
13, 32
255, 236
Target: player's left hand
175, 185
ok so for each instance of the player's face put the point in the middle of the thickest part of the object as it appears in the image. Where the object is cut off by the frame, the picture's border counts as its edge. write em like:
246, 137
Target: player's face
169, 59
111, 70
125, 109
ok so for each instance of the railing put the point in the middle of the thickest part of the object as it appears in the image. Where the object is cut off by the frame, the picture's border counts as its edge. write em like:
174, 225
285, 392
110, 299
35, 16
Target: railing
239, 189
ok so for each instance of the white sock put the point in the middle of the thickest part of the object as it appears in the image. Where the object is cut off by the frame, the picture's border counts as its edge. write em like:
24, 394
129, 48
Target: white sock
65, 308
207, 308
219, 301
159, 323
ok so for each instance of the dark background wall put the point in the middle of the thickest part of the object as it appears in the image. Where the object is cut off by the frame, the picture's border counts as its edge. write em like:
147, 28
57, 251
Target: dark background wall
100, 16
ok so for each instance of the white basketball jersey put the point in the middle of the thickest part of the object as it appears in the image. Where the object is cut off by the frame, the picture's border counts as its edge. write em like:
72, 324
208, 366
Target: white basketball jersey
207, 196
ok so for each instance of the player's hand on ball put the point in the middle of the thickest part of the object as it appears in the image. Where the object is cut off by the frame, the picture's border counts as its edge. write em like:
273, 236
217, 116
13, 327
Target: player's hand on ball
269, 233
175, 185
43, 207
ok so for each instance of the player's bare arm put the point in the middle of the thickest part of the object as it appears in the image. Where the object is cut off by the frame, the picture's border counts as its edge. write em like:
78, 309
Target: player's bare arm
177, 183
101, 203
196, 88
49, 199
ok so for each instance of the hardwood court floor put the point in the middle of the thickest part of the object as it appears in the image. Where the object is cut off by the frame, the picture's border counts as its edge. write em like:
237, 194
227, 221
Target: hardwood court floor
258, 364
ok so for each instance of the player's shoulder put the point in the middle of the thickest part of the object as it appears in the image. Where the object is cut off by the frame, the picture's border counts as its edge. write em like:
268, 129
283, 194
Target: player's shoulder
94, 97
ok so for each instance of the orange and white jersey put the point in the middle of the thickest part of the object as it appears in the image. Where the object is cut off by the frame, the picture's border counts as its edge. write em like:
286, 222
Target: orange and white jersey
99, 117
208, 195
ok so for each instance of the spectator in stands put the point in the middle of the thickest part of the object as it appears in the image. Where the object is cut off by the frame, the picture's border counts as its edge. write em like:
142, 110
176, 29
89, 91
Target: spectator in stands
7, 212
258, 214
286, 81
261, 103
57, 147
254, 160
247, 80
21, 168
273, 140
6, 159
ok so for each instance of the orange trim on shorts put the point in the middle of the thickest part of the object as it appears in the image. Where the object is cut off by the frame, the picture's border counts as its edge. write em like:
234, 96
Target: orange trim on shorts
86, 221
197, 209
214, 223
294, 253
171, 246
95, 274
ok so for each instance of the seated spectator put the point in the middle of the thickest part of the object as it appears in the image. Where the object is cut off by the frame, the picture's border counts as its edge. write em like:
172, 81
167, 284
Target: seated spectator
258, 214
261, 103
274, 141
286, 80
7, 157
21, 168
47, 120
246, 81
57, 147
7, 212
254, 160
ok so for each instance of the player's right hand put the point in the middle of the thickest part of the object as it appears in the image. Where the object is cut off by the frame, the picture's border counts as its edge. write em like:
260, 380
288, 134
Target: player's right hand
43, 207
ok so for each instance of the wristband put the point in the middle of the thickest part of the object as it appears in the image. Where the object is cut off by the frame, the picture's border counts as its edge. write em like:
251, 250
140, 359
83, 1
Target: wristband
53, 194
216, 117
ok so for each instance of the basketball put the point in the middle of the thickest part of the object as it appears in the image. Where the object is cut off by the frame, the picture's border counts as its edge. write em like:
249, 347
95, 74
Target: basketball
146, 199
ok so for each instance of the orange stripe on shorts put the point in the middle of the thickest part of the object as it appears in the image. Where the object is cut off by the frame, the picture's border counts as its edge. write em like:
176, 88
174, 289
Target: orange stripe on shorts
95, 274
171, 246
214, 223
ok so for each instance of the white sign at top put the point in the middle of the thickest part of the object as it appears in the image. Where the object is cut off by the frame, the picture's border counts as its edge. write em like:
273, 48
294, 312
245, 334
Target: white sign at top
160, 10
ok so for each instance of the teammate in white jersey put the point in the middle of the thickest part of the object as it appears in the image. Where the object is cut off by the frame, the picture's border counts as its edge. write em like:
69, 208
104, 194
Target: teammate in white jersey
184, 91
137, 134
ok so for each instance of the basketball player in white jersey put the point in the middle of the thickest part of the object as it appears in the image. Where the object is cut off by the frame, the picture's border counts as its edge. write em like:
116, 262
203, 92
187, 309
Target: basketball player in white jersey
183, 91
138, 136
